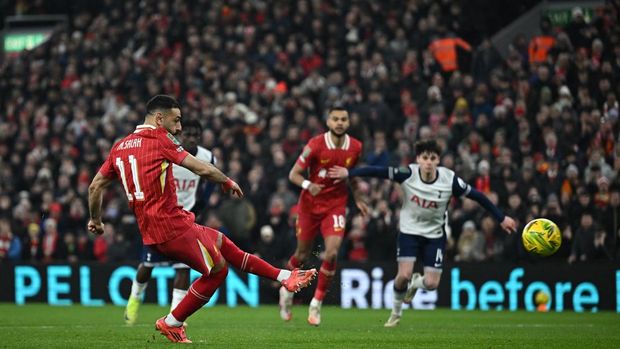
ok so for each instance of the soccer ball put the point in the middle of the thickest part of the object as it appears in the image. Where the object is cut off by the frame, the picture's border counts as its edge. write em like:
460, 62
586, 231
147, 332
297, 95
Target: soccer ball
542, 237
541, 297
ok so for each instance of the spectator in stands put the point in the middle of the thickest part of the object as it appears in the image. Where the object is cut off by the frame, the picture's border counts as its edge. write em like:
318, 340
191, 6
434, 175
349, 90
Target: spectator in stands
355, 241
445, 51
583, 248
485, 59
10, 245
493, 242
611, 221
381, 231
470, 246
51, 243
541, 44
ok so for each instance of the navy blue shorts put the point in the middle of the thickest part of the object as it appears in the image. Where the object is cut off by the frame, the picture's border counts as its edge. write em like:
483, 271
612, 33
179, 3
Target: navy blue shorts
151, 258
410, 246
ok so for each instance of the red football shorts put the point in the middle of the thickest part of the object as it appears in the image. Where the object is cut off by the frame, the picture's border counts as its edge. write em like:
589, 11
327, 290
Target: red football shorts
197, 248
329, 223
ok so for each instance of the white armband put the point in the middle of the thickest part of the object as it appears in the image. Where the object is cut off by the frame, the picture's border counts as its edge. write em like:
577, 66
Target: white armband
306, 184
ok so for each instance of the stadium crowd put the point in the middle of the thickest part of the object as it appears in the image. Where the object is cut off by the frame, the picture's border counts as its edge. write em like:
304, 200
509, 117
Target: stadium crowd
536, 133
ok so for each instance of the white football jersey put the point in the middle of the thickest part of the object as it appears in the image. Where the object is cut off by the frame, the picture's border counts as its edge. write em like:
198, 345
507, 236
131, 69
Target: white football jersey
187, 181
425, 204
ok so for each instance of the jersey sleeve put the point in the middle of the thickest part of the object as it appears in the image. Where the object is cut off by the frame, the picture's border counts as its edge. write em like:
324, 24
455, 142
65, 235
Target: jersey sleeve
107, 169
397, 174
171, 148
486, 203
303, 160
460, 187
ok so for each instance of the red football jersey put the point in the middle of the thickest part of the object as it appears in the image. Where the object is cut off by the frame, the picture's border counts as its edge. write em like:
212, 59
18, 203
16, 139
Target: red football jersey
142, 162
318, 156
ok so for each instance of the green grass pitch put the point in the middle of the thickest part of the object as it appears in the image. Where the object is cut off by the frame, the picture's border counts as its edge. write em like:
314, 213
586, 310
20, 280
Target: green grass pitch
42, 326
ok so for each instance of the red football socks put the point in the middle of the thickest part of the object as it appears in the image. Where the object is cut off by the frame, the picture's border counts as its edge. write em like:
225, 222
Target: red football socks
247, 262
326, 274
293, 263
199, 294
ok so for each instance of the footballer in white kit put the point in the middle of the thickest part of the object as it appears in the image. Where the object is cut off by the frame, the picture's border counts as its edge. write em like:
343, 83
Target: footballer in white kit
428, 189
187, 190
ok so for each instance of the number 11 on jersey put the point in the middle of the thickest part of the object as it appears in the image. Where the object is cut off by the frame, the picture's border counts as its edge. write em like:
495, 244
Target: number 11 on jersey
133, 163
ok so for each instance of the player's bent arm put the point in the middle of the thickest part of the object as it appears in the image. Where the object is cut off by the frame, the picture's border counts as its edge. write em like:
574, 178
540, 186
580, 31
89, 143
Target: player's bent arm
204, 169
296, 176
95, 195
211, 173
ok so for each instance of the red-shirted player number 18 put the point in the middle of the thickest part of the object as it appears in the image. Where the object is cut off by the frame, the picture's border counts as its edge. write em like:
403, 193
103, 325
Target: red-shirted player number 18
138, 194
339, 221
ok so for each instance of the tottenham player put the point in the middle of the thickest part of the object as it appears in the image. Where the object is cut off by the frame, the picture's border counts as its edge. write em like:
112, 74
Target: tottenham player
142, 162
322, 204
428, 189
187, 184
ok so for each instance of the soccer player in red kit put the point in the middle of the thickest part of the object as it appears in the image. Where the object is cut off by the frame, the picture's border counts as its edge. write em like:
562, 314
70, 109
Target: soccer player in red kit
322, 204
142, 162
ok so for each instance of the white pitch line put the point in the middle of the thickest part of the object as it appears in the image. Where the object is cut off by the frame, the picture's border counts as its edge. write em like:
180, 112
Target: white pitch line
535, 325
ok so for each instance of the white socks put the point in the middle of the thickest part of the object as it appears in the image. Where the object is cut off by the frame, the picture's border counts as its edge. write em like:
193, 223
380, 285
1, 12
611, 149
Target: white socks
315, 302
397, 307
177, 295
137, 289
284, 274
172, 321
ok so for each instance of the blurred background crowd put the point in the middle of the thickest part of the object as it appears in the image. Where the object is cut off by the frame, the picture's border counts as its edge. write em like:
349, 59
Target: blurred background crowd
534, 129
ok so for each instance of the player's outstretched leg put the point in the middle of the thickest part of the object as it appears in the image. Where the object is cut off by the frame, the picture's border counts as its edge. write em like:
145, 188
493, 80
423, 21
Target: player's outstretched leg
412, 287
292, 281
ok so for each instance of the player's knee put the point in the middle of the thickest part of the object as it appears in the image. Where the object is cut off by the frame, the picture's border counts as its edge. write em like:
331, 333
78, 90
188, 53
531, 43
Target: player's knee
400, 283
